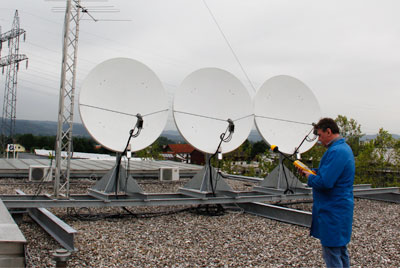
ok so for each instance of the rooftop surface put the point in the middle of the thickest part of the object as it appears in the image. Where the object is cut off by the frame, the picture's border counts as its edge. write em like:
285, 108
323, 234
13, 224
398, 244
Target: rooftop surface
187, 239
10, 168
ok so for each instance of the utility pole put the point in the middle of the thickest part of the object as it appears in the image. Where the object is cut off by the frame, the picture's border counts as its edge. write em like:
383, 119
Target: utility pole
10, 92
66, 98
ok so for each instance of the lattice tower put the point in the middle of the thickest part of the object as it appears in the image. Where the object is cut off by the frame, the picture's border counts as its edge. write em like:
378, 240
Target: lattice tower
66, 98
11, 62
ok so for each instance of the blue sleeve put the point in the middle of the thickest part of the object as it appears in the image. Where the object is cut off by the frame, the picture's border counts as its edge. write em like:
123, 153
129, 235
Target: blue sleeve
329, 171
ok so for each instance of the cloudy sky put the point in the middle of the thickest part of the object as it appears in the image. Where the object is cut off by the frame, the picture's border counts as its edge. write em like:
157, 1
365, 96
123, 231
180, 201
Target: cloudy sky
346, 51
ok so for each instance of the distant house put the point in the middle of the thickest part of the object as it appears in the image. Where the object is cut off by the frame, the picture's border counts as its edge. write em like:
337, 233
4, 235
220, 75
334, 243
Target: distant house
18, 148
183, 152
14, 149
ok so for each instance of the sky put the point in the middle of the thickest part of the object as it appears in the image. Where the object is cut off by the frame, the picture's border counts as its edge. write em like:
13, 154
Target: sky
346, 51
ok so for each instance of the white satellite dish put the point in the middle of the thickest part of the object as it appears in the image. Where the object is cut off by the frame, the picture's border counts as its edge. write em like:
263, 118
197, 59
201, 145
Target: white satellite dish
284, 110
204, 103
112, 98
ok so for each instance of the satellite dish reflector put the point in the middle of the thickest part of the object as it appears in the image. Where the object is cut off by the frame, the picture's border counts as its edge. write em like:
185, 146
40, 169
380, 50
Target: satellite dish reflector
284, 110
203, 105
113, 97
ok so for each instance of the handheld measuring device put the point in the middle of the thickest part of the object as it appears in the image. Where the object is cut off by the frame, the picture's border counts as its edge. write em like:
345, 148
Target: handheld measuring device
302, 166
297, 163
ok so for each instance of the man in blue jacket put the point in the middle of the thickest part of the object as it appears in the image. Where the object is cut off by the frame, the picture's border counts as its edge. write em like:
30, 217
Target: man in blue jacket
332, 213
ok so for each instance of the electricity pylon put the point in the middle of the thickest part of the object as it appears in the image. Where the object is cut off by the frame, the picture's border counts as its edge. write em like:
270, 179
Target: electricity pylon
10, 92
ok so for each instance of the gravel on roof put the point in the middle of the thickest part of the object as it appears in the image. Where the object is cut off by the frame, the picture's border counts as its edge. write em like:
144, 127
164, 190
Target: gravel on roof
187, 239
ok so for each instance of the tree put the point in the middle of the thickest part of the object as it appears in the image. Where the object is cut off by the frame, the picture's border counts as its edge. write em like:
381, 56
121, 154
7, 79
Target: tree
313, 156
397, 153
151, 152
377, 162
266, 162
45, 142
81, 144
384, 139
365, 163
164, 141
351, 131
259, 147
227, 164
26, 140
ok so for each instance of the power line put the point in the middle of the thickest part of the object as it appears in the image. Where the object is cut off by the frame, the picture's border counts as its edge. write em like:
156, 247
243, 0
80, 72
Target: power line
45, 92
42, 75
229, 45
122, 47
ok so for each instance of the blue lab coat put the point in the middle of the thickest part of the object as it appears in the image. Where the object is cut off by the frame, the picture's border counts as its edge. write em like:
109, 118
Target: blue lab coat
332, 212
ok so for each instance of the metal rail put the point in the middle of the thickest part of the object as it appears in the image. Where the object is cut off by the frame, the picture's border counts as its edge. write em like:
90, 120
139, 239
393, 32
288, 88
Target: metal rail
172, 199
54, 226
283, 214
386, 197
249, 201
165, 199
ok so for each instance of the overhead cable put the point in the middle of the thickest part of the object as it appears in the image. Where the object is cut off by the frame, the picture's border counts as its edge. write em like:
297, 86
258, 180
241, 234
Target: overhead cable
229, 45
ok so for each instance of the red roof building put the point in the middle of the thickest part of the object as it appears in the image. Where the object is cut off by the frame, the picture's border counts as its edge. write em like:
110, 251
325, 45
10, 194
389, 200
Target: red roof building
185, 153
